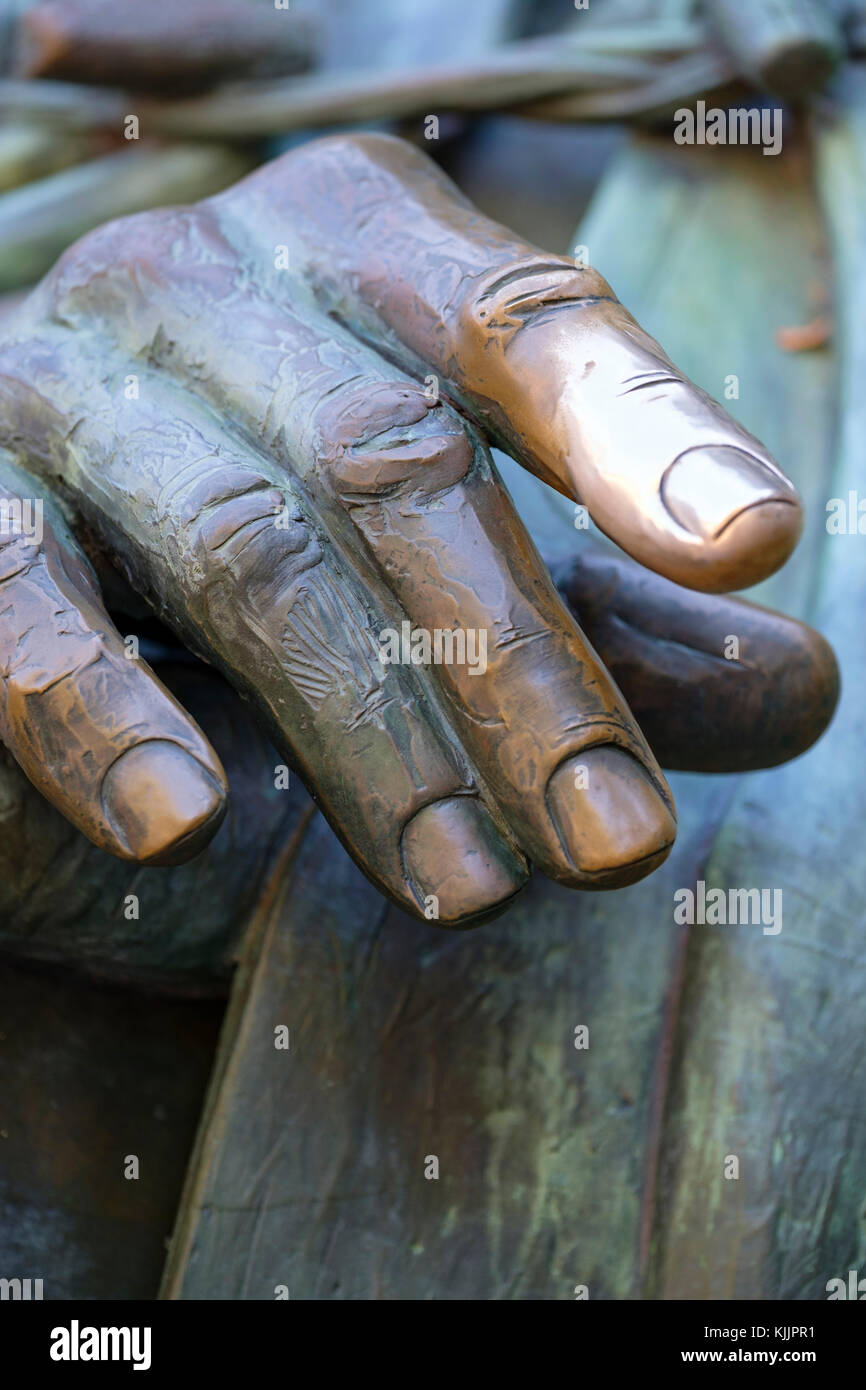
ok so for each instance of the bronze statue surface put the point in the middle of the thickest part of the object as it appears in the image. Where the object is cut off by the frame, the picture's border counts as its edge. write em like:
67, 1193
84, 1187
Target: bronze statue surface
585, 1068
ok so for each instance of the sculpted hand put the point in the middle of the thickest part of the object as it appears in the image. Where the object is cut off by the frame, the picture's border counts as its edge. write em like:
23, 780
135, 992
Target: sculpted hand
269, 410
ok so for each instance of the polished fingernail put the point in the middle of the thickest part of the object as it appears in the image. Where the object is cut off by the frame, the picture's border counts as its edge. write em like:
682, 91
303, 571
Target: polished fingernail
162, 803
454, 854
610, 816
706, 489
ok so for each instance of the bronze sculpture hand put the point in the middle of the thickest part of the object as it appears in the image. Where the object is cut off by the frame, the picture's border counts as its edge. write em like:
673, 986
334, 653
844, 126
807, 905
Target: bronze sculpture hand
226, 400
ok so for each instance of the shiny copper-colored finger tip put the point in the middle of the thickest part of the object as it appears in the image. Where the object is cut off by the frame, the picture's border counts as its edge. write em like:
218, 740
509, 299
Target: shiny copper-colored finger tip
747, 514
163, 805
613, 822
462, 871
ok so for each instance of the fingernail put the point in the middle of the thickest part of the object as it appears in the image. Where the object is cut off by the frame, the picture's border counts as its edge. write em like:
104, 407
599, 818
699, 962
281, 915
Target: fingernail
162, 803
454, 854
610, 816
706, 489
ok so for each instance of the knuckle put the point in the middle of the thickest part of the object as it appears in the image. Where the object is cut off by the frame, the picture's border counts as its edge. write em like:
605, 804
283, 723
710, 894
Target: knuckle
513, 295
216, 530
388, 438
236, 523
215, 481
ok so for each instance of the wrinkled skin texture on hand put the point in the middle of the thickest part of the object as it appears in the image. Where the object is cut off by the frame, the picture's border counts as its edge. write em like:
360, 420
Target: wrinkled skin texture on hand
269, 411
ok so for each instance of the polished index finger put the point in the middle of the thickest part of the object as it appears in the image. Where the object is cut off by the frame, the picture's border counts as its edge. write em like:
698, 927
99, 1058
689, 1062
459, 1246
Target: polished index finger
398, 480
232, 554
537, 348
94, 730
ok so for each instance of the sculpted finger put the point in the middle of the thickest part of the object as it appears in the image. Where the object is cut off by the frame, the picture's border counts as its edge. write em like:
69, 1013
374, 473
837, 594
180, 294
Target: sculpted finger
717, 684
97, 733
538, 349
